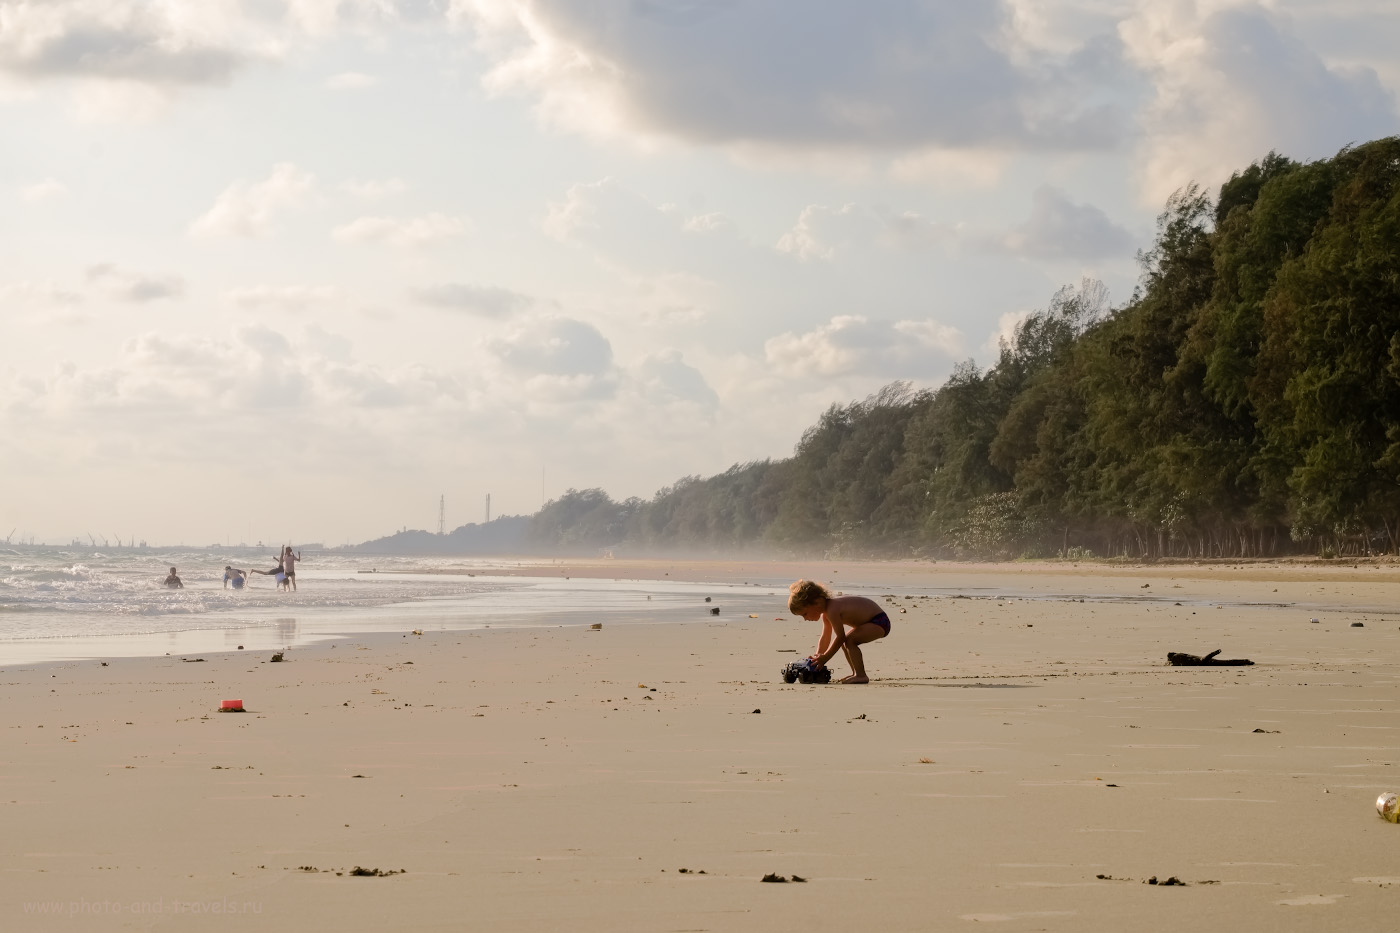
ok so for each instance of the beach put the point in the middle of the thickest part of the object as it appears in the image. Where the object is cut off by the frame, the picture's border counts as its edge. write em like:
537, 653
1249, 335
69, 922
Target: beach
1022, 758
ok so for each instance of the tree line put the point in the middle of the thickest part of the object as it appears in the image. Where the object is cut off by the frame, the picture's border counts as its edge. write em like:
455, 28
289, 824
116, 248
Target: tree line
1245, 402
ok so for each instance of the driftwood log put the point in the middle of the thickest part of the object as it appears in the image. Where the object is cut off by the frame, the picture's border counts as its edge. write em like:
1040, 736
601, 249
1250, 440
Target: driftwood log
1180, 659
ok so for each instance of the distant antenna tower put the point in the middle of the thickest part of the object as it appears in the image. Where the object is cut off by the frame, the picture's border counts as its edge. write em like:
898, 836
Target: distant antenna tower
488, 508
442, 515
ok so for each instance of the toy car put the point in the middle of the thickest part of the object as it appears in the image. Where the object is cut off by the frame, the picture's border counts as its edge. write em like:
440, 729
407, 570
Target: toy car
807, 671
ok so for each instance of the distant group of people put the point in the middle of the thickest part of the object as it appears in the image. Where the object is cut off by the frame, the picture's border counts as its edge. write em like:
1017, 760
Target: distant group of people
285, 572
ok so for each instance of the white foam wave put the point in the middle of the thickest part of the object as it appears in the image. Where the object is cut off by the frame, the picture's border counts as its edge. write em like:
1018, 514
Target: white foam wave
57, 593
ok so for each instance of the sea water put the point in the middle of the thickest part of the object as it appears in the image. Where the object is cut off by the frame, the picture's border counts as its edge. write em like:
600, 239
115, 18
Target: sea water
71, 603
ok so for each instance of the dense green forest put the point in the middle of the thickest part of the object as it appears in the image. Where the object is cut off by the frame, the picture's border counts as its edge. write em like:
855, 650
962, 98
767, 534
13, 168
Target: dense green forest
1245, 402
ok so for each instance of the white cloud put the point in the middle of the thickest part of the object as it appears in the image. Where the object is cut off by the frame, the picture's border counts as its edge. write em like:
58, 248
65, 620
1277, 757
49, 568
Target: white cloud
1005, 331
328, 344
673, 314
40, 294
401, 232
1057, 228
898, 75
823, 234
673, 299
281, 297
227, 391
45, 190
158, 43
1232, 81
629, 231
555, 346
565, 220
375, 189
1060, 229
120, 102
665, 377
712, 222
910, 230
103, 280
122, 285
952, 168
304, 402
956, 92
931, 335
351, 81
852, 344
806, 240
486, 300
113, 49
325, 18
247, 210
233, 382
821, 352
701, 267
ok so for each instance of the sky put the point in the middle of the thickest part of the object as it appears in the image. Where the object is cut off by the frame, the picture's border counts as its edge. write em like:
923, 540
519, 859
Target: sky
306, 270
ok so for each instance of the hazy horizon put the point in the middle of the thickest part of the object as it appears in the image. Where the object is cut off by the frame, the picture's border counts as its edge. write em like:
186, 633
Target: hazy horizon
294, 270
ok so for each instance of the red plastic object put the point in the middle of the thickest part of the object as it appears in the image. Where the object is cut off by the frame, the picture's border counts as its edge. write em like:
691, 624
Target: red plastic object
232, 704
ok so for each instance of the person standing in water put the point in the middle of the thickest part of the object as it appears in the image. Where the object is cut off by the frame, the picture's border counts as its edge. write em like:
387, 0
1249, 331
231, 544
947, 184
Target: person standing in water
173, 581
863, 617
289, 566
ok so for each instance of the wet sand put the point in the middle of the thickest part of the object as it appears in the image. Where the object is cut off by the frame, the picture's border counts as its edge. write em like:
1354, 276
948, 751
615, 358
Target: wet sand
1025, 761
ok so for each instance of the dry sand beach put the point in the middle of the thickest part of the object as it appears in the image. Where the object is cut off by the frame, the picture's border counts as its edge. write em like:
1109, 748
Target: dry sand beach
1024, 762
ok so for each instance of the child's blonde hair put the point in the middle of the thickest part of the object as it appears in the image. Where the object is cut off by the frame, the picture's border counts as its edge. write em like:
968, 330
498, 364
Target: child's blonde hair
804, 593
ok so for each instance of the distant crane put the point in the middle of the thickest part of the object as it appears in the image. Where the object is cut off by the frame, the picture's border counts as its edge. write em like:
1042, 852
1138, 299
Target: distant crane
488, 508
11, 534
92, 539
442, 515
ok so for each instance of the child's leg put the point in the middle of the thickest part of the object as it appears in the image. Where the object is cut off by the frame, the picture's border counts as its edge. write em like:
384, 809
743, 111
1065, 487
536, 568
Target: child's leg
857, 662
858, 636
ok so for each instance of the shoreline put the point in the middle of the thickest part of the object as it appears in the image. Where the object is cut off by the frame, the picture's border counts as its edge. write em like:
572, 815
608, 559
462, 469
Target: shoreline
1368, 588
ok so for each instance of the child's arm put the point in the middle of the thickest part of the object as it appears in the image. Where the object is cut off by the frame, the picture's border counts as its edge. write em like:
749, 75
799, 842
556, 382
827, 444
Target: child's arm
833, 634
825, 639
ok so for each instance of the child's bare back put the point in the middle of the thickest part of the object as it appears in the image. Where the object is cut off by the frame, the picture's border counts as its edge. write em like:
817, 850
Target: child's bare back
852, 610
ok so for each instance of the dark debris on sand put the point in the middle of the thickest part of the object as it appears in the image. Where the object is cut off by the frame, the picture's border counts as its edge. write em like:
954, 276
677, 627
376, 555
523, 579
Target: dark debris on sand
1182, 659
1172, 882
